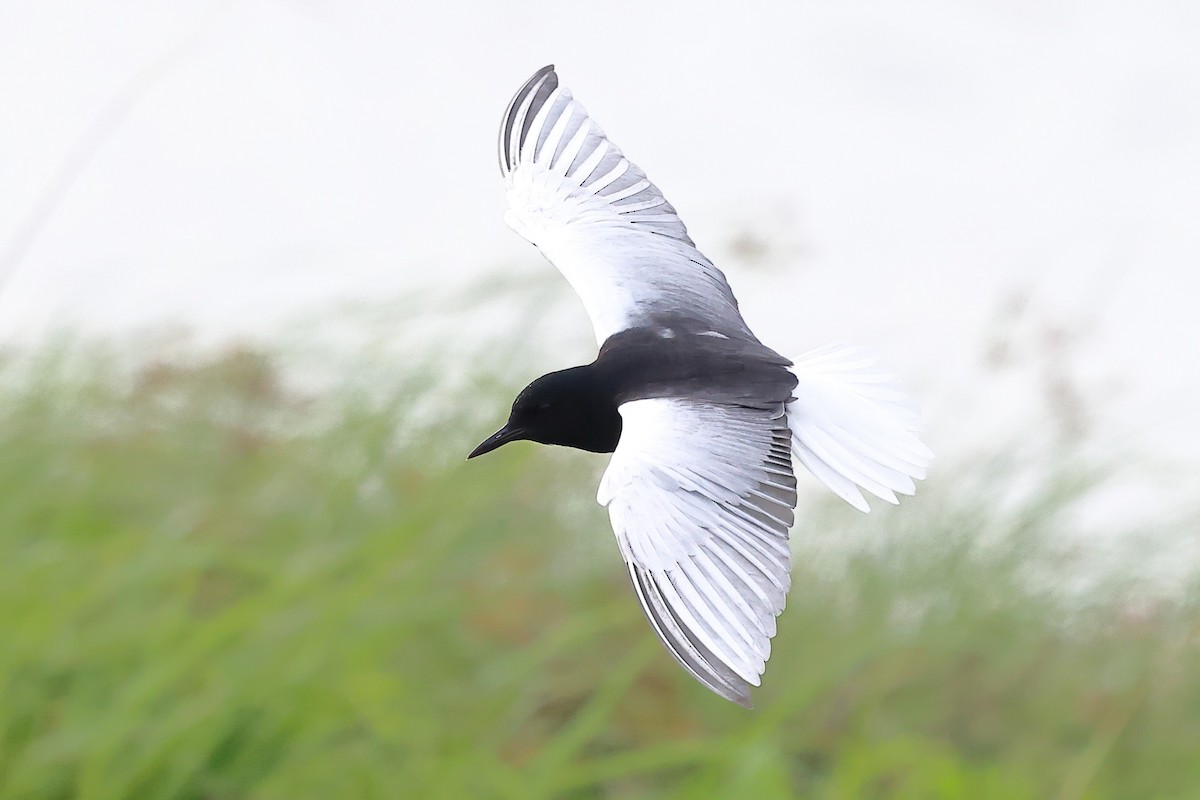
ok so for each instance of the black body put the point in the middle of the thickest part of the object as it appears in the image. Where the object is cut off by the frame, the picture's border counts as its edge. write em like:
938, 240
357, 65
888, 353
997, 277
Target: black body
578, 407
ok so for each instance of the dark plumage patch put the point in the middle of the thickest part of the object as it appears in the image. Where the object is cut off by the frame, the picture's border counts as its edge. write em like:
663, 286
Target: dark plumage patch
542, 83
643, 363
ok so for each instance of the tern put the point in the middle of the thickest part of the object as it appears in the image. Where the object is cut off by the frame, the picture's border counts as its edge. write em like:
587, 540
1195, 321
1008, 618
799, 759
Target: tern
704, 421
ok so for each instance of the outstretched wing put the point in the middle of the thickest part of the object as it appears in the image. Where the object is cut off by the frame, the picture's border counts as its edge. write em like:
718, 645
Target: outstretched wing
701, 497
600, 220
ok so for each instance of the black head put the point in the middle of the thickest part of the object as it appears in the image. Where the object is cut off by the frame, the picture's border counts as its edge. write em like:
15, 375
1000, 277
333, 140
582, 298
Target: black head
569, 408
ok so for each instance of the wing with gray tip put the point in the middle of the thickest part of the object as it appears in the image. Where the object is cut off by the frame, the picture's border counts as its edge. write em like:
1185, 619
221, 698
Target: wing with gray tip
600, 220
701, 497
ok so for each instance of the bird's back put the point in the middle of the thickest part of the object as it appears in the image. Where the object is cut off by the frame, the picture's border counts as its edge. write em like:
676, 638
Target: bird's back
678, 358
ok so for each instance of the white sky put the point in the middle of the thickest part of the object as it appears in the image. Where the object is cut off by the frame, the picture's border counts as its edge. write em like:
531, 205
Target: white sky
913, 168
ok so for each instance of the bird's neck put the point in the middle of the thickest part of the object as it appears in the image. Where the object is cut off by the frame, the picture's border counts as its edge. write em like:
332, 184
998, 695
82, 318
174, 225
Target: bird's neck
595, 422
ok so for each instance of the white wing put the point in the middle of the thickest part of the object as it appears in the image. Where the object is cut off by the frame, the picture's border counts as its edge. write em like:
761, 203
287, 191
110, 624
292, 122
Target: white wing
701, 498
852, 425
603, 224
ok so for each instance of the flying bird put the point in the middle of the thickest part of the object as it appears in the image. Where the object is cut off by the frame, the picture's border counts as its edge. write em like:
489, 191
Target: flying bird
704, 421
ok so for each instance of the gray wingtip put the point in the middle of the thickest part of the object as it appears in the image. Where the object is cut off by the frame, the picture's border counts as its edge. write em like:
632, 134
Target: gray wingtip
693, 656
544, 77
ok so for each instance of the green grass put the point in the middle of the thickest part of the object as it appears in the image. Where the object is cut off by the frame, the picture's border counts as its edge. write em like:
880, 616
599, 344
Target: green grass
214, 587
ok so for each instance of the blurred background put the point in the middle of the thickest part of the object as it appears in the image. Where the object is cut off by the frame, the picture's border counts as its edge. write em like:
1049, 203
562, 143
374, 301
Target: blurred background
257, 301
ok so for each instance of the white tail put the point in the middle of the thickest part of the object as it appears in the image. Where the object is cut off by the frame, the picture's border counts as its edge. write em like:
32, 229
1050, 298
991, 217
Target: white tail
853, 426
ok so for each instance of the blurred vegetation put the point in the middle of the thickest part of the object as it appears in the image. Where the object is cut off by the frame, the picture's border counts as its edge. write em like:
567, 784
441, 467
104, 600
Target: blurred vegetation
215, 586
